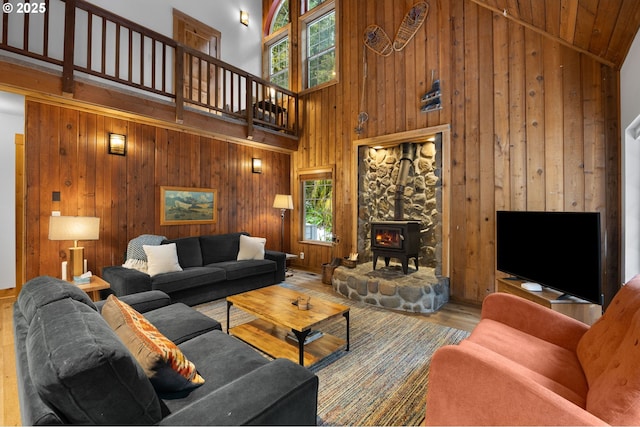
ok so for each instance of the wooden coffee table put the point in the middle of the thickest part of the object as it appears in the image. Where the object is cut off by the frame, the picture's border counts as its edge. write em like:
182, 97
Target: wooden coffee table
277, 315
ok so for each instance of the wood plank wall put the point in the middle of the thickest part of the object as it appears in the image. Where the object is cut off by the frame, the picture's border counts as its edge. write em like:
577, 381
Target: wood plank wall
66, 152
534, 126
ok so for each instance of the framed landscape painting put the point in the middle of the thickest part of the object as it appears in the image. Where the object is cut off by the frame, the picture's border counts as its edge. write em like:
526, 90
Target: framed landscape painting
187, 205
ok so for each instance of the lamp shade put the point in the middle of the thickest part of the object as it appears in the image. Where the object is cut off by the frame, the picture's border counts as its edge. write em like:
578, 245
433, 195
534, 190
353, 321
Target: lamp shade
74, 228
283, 201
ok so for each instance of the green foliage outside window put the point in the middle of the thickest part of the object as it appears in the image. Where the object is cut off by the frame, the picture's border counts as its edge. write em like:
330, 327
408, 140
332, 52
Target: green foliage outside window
321, 47
279, 63
313, 3
281, 18
318, 209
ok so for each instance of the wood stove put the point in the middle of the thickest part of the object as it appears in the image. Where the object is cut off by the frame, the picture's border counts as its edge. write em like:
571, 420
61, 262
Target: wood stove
396, 239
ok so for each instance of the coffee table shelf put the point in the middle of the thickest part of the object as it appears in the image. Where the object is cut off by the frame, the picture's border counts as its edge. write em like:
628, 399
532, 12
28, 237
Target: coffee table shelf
271, 339
276, 317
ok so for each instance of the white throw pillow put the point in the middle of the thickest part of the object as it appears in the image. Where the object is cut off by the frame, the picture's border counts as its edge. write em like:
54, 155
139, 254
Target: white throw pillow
251, 247
161, 259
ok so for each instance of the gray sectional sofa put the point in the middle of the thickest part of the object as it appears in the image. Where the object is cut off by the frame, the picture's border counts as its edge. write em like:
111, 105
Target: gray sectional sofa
72, 367
210, 271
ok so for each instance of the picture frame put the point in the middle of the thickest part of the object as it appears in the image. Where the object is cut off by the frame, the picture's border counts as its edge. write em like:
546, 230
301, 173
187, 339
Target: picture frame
188, 205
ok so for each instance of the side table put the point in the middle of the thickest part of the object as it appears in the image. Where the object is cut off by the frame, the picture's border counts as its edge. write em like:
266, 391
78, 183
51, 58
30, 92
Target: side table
94, 287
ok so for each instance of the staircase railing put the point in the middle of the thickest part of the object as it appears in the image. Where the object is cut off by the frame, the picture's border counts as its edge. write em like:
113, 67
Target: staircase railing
81, 39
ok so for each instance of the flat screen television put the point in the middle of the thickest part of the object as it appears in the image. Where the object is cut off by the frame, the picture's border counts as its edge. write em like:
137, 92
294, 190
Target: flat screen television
559, 250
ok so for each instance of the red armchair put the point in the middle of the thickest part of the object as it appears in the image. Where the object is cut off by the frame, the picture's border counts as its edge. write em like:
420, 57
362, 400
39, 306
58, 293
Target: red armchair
525, 364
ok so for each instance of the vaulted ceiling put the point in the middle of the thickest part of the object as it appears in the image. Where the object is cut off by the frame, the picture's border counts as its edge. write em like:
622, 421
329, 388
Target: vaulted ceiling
603, 29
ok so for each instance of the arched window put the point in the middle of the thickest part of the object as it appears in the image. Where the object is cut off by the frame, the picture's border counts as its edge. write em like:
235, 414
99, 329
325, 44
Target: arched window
316, 56
277, 45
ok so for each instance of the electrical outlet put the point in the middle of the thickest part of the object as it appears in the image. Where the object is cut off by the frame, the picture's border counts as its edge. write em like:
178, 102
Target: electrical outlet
301, 255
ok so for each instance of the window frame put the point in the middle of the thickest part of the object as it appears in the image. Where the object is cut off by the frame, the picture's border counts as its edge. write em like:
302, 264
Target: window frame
310, 174
270, 41
304, 21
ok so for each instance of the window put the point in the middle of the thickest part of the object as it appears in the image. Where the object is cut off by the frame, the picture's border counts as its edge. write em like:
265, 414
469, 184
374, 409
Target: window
317, 202
281, 17
277, 45
279, 63
314, 59
321, 49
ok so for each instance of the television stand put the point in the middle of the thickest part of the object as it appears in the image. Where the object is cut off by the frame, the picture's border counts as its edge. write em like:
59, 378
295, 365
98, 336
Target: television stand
576, 308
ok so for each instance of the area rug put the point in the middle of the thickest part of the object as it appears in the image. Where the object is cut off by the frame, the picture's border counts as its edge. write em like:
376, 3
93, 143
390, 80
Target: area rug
383, 379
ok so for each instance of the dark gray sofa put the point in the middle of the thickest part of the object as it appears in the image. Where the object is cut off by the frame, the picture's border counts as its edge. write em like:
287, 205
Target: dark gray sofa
73, 369
210, 271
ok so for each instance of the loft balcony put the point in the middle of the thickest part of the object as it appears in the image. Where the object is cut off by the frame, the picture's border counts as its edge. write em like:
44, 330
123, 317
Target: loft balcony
79, 52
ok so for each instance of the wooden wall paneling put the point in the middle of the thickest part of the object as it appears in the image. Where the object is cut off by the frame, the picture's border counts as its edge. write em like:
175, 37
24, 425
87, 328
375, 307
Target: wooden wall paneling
233, 191
568, 20
87, 146
501, 118
116, 197
573, 133
536, 173
458, 204
552, 10
36, 137
517, 117
611, 109
594, 144
472, 153
618, 46
602, 28
585, 19
552, 141
486, 136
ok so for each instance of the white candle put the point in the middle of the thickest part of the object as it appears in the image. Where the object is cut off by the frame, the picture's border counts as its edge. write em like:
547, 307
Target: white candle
85, 266
64, 270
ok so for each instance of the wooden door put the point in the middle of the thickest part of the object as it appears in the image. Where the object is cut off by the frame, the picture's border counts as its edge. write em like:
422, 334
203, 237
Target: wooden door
198, 75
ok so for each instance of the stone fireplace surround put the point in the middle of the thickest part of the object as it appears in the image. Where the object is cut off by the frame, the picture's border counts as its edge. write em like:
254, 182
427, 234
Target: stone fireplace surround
425, 290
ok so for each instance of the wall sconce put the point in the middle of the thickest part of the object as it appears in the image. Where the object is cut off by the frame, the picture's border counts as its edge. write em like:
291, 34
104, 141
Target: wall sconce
256, 165
117, 144
244, 18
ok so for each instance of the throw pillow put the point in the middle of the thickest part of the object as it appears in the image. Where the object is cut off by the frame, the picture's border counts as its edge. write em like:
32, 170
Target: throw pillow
161, 259
251, 247
165, 365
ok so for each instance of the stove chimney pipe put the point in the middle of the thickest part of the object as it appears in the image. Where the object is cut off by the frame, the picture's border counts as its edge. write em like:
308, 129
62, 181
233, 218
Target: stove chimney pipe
406, 160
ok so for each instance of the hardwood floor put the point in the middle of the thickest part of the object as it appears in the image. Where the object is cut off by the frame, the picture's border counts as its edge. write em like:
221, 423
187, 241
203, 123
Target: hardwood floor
455, 315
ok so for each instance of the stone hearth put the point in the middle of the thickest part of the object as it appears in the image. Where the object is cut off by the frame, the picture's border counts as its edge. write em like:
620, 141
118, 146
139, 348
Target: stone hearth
388, 287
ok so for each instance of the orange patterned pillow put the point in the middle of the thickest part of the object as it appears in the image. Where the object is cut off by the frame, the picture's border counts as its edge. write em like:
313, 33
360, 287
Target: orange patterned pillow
165, 365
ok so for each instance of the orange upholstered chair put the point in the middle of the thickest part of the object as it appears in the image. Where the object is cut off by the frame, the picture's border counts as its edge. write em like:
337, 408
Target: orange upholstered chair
525, 364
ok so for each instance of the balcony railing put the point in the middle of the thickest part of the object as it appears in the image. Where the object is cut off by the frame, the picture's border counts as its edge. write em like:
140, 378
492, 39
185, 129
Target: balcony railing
81, 39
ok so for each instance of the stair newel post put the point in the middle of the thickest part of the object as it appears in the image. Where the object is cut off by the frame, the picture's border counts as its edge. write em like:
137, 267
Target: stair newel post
69, 40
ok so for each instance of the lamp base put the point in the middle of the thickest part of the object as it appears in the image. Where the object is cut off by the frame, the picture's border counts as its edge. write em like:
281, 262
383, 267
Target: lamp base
76, 261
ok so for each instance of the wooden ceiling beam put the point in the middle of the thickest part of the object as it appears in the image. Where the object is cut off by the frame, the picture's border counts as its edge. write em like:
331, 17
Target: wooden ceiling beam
544, 33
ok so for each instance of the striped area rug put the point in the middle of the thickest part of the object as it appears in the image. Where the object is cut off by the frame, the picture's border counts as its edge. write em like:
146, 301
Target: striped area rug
382, 380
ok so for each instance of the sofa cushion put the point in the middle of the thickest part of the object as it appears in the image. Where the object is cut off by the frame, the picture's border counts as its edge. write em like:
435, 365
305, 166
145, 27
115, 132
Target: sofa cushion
609, 352
240, 269
162, 259
251, 248
165, 365
74, 357
220, 247
43, 290
553, 361
615, 395
188, 278
221, 359
189, 252
192, 323
600, 344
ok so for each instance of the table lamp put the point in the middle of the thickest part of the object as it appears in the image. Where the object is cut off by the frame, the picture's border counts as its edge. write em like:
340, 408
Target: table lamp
74, 228
283, 202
